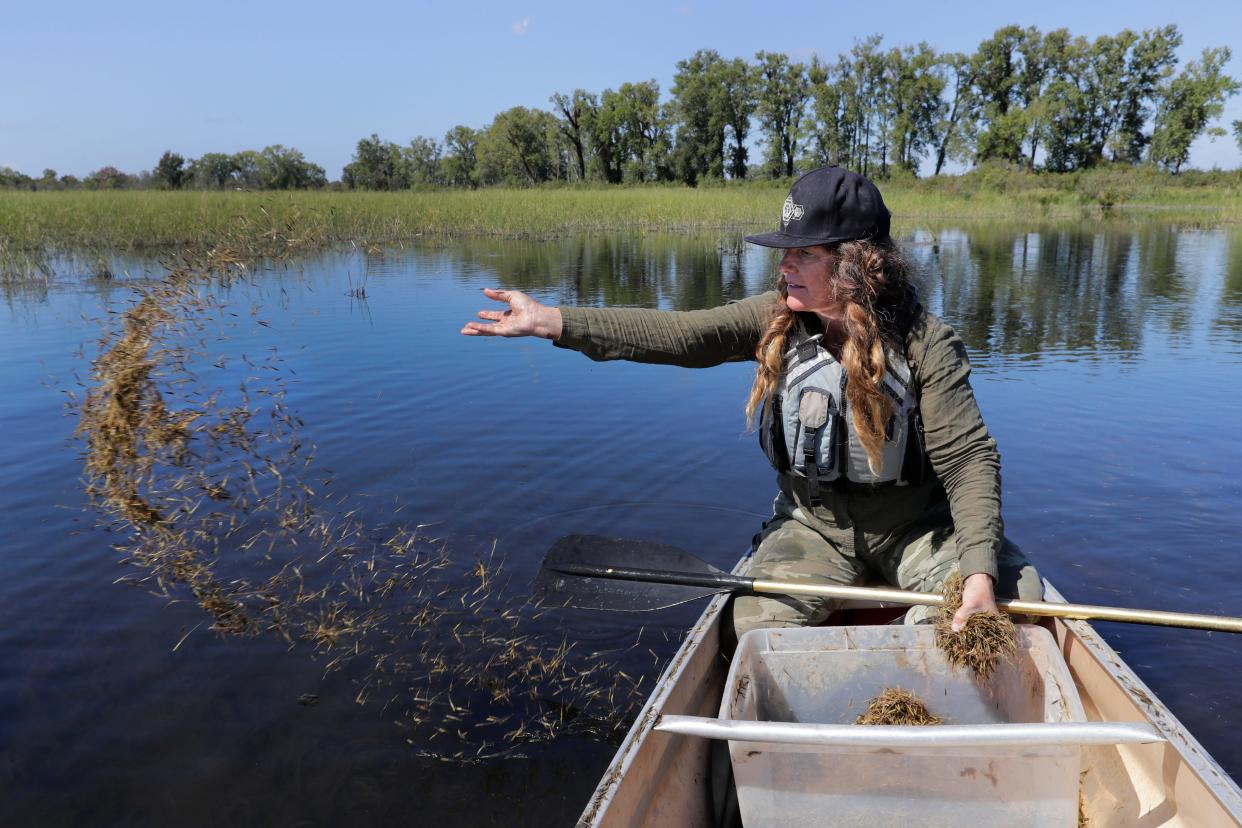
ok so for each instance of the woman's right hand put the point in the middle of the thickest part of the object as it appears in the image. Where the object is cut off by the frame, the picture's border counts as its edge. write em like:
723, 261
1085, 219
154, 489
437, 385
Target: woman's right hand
525, 317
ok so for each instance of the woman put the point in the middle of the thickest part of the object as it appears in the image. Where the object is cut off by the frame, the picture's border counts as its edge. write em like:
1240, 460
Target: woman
864, 404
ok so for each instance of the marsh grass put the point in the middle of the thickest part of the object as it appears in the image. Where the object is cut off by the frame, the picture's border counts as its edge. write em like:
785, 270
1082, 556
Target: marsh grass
897, 706
36, 225
215, 499
987, 639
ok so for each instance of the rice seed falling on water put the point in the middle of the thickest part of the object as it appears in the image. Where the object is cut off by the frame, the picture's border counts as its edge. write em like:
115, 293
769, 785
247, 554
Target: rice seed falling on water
986, 640
206, 491
896, 706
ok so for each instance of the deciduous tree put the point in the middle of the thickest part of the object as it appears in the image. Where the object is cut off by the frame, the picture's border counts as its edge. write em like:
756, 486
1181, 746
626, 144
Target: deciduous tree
630, 134
606, 132
522, 146
1188, 104
377, 165
782, 90
11, 179
213, 170
737, 90
1151, 61
828, 129
1068, 101
422, 161
285, 168
698, 109
460, 159
108, 178
998, 78
247, 164
576, 111
954, 133
914, 91
171, 171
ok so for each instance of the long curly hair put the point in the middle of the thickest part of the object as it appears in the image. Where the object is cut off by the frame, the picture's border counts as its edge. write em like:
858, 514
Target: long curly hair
872, 283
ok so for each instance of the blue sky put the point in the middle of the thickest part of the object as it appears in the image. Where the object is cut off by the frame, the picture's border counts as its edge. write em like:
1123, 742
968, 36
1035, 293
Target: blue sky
84, 84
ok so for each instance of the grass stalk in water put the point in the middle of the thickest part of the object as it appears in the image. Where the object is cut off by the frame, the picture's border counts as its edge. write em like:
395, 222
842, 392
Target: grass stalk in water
986, 640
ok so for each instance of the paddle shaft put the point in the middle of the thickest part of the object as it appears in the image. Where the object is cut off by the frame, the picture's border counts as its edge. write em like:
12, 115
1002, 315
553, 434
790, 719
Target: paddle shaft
1079, 612
733, 583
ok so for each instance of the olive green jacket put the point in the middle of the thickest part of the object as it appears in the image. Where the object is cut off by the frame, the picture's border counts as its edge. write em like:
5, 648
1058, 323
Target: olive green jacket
868, 520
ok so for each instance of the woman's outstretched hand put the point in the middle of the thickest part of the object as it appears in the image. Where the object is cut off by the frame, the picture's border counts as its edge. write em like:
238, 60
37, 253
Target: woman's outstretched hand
525, 317
977, 596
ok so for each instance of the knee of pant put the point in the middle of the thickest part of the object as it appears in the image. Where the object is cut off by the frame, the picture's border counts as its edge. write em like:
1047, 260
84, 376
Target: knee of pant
1025, 584
1017, 577
1022, 583
1030, 584
920, 615
749, 612
781, 553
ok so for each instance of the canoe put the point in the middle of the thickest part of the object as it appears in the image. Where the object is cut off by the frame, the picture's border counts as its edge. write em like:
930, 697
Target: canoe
661, 779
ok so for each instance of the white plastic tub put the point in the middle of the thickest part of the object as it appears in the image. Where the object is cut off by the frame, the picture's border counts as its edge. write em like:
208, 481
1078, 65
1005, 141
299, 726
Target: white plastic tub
828, 675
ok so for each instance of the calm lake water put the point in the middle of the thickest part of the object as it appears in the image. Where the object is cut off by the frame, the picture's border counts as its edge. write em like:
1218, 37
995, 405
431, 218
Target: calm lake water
1108, 363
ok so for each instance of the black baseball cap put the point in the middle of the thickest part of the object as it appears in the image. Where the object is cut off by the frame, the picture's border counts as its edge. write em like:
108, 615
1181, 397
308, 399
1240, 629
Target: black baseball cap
829, 205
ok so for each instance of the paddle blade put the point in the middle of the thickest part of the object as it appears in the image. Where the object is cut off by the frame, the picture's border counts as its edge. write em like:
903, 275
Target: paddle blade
554, 588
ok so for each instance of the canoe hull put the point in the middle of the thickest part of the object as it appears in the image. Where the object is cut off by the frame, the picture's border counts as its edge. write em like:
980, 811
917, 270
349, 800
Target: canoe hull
659, 779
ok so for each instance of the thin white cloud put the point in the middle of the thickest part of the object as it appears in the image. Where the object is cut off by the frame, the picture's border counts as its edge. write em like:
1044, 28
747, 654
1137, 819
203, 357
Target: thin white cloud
520, 27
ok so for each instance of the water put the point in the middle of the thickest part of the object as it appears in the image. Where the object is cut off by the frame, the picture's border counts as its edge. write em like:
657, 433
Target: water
1107, 362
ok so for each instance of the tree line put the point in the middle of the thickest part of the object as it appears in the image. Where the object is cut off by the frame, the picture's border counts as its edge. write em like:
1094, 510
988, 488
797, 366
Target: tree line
273, 168
1027, 99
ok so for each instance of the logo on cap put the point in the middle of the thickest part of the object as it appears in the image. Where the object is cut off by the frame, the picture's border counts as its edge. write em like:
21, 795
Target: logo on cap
791, 210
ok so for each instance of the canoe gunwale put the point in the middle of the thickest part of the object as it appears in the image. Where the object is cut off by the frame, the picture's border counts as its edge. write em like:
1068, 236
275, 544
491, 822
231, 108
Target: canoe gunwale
644, 724
1214, 778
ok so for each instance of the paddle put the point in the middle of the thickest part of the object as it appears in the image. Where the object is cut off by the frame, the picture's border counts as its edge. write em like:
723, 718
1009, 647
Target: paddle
593, 572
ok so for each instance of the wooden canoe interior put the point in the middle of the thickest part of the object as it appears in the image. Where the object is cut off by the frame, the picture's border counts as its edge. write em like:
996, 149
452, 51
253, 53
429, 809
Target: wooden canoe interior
660, 779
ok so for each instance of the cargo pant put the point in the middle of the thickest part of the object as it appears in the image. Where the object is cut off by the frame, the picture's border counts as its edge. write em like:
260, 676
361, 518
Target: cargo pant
790, 548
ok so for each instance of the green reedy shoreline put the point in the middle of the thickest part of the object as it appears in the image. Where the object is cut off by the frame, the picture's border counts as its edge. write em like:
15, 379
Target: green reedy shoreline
34, 225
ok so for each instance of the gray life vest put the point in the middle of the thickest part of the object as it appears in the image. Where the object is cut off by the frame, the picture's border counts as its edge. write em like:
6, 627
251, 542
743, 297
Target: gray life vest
806, 429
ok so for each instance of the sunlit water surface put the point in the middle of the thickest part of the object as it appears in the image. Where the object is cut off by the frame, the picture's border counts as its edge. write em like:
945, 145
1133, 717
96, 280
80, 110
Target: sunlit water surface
1108, 363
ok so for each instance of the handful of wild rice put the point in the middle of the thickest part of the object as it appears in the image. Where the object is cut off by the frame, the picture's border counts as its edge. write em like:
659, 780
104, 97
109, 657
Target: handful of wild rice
896, 706
987, 638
